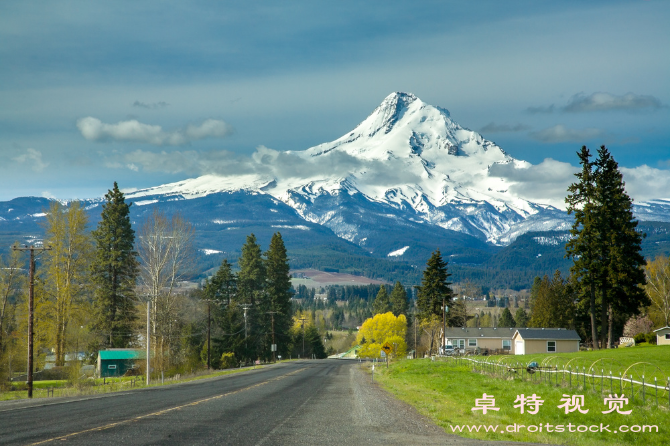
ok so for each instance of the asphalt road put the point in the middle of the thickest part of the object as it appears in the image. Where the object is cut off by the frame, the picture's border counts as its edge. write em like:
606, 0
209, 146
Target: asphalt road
327, 402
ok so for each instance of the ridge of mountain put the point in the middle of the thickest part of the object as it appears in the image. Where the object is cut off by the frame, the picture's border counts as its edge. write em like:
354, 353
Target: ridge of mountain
406, 181
411, 157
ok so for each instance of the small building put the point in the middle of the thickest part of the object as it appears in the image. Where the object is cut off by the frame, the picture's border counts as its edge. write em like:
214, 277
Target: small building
663, 336
545, 340
117, 361
492, 339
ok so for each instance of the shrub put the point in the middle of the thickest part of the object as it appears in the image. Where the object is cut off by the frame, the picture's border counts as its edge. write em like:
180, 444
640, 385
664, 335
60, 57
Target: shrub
228, 360
640, 337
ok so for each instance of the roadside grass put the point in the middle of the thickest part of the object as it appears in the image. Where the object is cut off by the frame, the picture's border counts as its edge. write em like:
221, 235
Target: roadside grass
446, 392
56, 388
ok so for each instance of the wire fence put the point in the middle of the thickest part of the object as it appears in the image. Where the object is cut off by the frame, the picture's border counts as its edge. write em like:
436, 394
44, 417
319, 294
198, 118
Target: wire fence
642, 382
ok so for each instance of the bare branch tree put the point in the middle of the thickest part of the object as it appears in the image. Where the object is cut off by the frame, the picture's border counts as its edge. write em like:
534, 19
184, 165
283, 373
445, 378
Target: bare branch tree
167, 255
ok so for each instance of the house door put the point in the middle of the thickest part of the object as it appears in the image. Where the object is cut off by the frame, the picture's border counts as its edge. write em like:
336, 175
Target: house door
519, 348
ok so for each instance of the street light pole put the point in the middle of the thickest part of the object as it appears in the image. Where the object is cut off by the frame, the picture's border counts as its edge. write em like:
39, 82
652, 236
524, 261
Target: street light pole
31, 304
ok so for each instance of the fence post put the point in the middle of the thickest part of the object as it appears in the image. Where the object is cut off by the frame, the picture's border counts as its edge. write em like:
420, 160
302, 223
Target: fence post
632, 392
656, 390
620, 384
644, 391
570, 378
611, 391
584, 371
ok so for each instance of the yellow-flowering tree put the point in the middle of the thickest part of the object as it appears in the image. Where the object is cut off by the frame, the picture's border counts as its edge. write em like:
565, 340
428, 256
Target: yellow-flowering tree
380, 329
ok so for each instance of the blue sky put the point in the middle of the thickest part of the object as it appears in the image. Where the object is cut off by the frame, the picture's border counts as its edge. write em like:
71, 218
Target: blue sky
91, 91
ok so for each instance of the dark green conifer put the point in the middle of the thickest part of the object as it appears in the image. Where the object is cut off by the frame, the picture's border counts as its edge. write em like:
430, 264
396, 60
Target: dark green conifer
279, 292
381, 304
114, 271
434, 289
399, 303
251, 291
584, 247
506, 319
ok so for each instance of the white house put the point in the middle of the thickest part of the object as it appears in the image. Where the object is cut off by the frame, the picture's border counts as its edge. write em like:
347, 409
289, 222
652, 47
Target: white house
663, 336
545, 340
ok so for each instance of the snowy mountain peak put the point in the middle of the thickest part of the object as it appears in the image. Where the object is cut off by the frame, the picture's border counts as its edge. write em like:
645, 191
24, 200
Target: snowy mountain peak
407, 155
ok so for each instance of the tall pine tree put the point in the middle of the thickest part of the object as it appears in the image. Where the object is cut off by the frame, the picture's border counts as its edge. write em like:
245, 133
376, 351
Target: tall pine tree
114, 271
251, 291
584, 247
434, 289
605, 246
399, 303
381, 304
622, 294
279, 293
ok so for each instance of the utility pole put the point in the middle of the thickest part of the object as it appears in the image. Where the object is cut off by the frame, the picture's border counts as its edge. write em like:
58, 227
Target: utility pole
444, 322
148, 341
245, 307
303, 319
31, 304
274, 346
209, 329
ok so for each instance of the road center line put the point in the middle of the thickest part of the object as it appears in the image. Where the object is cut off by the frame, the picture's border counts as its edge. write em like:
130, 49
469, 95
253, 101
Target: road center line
162, 412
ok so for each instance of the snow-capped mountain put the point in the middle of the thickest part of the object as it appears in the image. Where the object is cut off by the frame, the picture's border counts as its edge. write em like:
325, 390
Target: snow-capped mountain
407, 162
405, 181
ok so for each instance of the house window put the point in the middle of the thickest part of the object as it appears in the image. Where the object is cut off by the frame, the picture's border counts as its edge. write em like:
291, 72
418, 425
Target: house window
667, 336
111, 366
460, 343
551, 346
507, 344
472, 342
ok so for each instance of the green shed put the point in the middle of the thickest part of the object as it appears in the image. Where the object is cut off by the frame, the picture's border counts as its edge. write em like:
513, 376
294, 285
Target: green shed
117, 361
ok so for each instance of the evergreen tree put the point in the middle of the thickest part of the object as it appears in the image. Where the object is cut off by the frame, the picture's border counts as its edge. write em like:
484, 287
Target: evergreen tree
251, 291
506, 320
222, 288
621, 289
434, 290
114, 271
521, 318
605, 247
553, 306
279, 292
381, 304
399, 303
584, 247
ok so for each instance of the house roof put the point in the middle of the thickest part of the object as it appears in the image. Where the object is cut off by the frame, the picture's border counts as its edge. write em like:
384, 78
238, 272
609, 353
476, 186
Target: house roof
455, 332
662, 328
122, 354
559, 334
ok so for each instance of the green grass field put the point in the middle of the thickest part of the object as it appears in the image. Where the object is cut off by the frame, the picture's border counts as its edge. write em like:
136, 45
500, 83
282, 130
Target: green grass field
446, 392
98, 385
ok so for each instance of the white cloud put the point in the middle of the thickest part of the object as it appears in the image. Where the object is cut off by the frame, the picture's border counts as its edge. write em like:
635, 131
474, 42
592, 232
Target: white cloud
132, 130
646, 183
546, 182
264, 161
560, 133
605, 102
34, 158
47, 194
